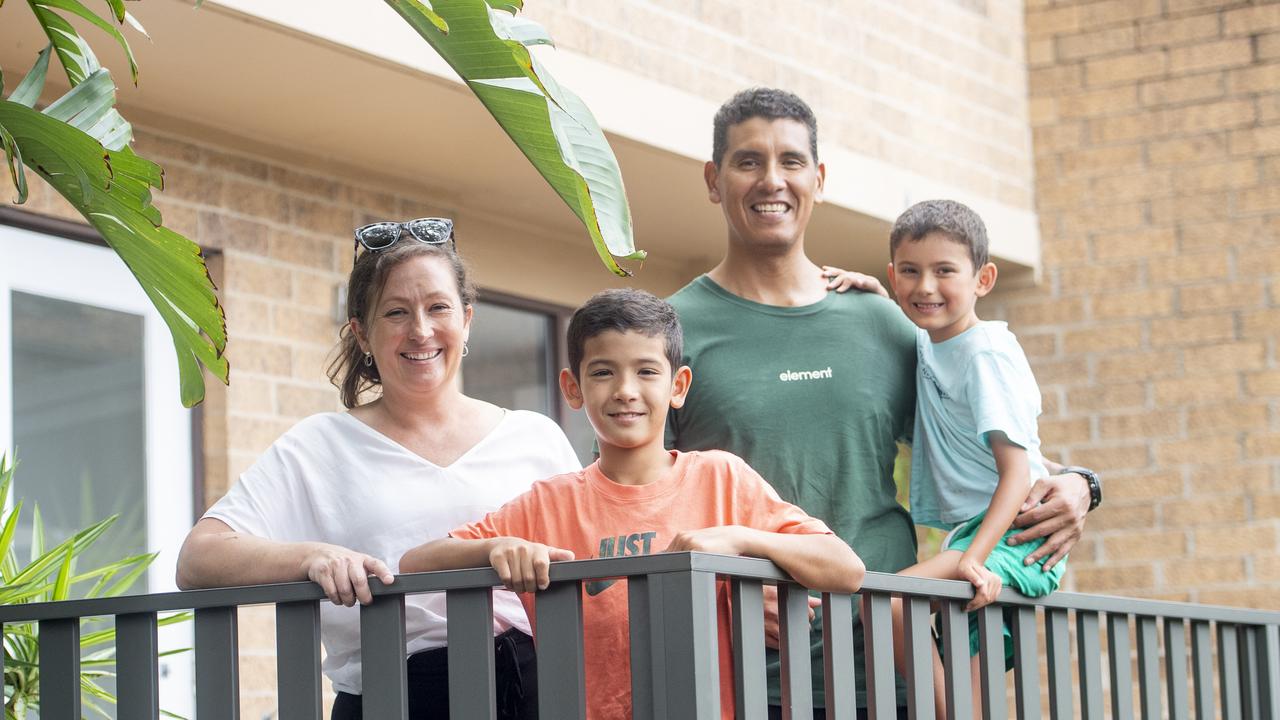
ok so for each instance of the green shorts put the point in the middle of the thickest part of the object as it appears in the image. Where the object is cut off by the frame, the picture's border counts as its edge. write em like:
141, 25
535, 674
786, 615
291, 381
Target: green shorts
1006, 562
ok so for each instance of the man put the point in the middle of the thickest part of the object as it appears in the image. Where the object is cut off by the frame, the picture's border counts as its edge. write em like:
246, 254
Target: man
813, 388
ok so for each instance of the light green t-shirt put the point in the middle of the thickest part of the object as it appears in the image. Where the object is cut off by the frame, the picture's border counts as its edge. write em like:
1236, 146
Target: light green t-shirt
814, 398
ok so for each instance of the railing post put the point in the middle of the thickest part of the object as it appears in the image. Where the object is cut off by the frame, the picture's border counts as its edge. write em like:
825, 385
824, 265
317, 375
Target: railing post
562, 690
837, 656
384, 685
1248, 638
794, 652
1269, 671
992, 662
298, 659
1148, 668
1026, 672
217, 664
1202, 668
471, 663
137, 667
1121, 672
644, 616
955, 661
693, 649
60, 668
1089, 657
877, 638
1175, 667
749, 681
919, 647
1058, 648
1229, 671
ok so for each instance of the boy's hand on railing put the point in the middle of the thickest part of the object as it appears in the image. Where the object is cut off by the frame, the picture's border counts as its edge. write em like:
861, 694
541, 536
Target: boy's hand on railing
844, 280
343, 574
525, 566
772, 634
986, 584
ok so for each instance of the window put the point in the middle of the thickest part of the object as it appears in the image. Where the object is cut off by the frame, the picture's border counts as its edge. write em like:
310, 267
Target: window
89, 400
517, 351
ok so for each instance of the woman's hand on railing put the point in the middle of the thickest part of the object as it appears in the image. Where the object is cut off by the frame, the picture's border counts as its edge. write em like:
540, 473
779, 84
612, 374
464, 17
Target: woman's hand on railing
343, 574
524, 566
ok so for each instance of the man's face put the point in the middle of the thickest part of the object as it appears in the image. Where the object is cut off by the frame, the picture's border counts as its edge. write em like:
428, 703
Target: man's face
767, 183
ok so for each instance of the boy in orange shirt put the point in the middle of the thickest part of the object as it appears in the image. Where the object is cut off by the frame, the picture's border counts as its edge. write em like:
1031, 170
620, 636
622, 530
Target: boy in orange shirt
638, 498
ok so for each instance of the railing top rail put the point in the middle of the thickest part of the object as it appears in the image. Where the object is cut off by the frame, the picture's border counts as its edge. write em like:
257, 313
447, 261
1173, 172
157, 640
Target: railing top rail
740, 567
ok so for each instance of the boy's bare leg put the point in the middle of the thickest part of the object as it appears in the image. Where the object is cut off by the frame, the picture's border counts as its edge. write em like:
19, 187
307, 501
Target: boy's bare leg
943, 566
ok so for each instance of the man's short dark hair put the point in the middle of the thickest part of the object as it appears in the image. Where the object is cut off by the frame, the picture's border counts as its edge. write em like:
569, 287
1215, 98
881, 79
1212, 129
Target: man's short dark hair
624, 309
955, 220
767, 103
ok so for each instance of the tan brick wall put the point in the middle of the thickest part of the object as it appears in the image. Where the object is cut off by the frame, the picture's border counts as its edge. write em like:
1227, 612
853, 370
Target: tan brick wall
1157, 144
932, 86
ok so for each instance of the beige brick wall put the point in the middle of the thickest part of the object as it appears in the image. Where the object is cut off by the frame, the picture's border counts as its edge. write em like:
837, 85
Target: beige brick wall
936, 87
1157, 150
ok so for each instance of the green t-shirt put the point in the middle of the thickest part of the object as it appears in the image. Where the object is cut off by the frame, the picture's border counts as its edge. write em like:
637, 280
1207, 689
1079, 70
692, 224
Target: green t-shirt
815, 399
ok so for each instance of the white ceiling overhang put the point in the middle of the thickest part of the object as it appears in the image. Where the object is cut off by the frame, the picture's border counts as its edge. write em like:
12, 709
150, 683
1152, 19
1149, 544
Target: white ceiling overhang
349, 88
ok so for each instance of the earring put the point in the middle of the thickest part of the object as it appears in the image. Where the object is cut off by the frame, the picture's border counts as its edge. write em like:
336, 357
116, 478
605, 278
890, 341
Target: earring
368, 359
465, 350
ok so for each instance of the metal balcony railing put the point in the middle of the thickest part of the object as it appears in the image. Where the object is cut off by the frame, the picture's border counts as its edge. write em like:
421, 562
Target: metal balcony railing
1232, 670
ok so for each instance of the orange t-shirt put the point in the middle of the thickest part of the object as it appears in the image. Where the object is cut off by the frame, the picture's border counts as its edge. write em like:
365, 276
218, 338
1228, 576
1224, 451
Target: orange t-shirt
593, 516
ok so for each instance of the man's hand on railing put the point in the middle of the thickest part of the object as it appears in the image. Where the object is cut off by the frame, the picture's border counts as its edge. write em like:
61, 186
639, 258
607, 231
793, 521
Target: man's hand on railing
524, 566
343, 574
1055, 509
772, 636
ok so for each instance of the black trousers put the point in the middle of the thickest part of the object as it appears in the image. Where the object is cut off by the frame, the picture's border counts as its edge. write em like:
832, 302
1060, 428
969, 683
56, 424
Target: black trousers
515, 668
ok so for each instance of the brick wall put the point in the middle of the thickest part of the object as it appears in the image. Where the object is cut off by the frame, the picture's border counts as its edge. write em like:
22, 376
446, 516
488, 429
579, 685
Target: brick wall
933, 86
1156, 132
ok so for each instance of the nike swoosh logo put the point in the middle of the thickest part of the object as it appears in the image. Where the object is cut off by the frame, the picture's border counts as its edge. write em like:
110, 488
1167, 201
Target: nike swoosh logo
595, 587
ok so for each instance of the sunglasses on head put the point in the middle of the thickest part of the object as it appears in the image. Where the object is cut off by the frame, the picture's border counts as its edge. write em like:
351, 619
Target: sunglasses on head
379, 236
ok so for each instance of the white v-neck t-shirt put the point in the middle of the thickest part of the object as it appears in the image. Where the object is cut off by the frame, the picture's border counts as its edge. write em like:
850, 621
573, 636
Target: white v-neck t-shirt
332, 478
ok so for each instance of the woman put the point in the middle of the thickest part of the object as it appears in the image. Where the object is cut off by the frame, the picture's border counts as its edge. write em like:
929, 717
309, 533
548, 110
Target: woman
343, 495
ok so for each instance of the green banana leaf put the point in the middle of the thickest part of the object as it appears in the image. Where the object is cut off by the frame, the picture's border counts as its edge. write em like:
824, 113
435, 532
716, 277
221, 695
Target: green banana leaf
487, 44
79, 145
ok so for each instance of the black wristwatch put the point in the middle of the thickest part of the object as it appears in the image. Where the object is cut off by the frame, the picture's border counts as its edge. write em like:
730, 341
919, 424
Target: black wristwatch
1090, 477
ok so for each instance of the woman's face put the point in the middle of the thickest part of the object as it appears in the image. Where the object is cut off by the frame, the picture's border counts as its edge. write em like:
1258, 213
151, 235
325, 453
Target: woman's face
418, 327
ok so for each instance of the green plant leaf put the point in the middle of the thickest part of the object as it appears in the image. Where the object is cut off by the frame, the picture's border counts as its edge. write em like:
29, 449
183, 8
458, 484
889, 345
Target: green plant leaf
112, 189
117, 9
37, 536
486, 46
28, 91
72, 50
43, 565
62, 587
90, 108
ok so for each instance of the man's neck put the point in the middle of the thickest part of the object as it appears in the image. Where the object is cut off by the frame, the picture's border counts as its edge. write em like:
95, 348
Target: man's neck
789, 279
635, 466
